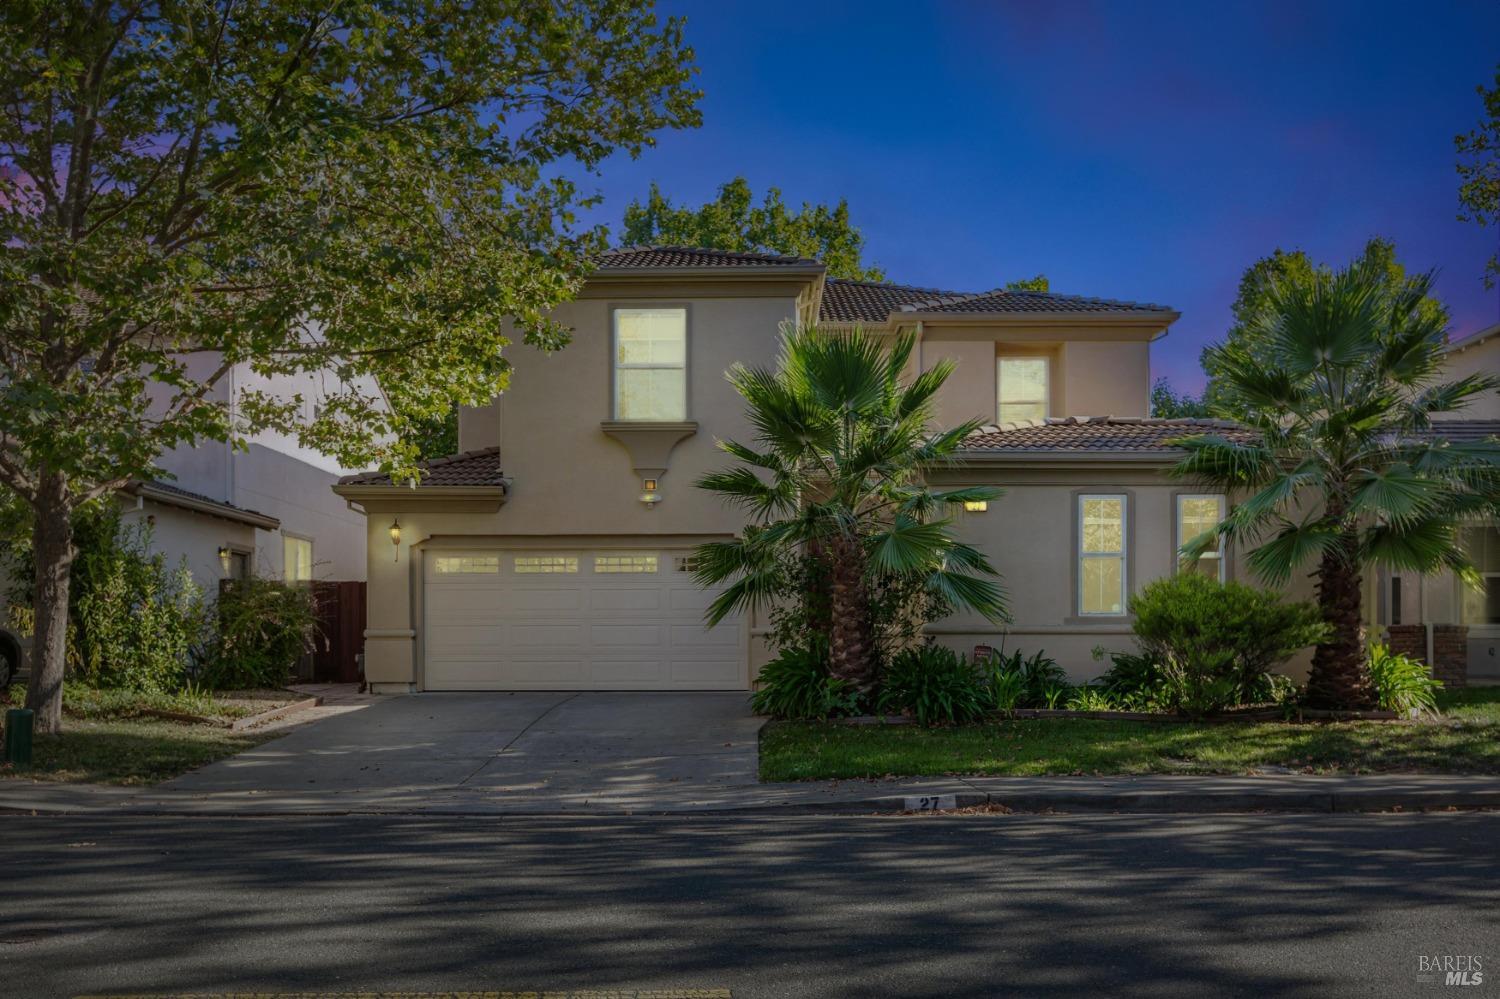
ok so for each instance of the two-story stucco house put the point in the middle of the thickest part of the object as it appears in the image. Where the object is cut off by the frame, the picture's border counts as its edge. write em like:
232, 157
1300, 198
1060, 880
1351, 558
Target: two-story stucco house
553, 552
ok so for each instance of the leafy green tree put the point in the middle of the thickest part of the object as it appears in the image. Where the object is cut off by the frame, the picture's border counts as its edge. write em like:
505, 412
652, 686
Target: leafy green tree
1038, 283
837, 468
1169, 405
732, 221
1479, 169
1256, 291
434, 436
1338, 377
377, 189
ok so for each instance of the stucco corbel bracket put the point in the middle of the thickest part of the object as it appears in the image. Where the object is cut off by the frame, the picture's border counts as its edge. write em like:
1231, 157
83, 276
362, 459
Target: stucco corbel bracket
649, 444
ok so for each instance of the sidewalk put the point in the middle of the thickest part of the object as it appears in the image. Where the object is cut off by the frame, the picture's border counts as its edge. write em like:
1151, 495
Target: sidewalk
1146, 794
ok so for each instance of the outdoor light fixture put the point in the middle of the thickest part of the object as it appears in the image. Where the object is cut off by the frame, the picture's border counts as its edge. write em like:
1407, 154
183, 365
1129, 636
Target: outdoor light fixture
396, 536
224, 559
976, 506
649, 494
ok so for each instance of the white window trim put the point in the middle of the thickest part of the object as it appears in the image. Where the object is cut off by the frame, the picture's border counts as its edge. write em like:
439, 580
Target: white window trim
1123, 554
615, 367
312, 556
1223, 513
1045, 400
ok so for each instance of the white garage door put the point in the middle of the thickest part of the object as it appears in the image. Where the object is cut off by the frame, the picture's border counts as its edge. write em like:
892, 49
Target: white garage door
574, 620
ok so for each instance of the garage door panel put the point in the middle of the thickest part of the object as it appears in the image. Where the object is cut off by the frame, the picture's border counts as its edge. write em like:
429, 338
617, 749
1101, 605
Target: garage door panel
583, 630
725, 636
602, 636
635, 598
545, 635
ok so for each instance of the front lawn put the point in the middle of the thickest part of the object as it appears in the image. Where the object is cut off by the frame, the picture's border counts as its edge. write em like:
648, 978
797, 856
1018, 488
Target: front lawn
1466, 740
108, 738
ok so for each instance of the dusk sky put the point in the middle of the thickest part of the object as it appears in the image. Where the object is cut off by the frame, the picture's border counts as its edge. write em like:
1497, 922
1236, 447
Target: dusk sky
1147, 151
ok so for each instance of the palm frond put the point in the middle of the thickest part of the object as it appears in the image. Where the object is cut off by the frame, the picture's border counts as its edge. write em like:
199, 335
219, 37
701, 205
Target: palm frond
1291, 548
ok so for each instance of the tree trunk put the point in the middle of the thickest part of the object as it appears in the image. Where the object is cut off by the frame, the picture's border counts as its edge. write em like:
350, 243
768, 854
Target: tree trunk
851, 653
52, 540
1340, 677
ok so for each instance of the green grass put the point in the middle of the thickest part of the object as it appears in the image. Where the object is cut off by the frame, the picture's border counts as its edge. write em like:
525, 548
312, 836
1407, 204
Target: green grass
107, 739
1467, 740
135, 751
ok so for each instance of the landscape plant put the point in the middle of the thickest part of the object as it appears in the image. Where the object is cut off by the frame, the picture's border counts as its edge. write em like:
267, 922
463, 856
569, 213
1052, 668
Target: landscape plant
797, 684
1402, 683
935, 685
261, 628
835, 478
1341, 468
1212, 644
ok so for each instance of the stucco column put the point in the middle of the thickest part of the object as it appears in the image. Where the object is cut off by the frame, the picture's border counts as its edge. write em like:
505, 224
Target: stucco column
390, 631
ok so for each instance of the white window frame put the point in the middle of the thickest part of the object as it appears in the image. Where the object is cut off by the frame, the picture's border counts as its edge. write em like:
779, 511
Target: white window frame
311, 557
1123, 554
1045, 400
1177, 529
615, 365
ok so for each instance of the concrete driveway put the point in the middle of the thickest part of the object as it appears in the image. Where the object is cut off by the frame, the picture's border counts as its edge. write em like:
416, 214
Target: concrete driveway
559, 750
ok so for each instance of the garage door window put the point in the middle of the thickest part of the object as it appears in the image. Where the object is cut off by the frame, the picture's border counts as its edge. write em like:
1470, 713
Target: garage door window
452, 565
546, 563
624, 563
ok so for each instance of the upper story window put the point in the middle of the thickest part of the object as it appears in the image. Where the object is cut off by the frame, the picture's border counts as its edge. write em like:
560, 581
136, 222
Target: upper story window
650, 364
1197, 515
1101, 554
1482, 605
1021, 389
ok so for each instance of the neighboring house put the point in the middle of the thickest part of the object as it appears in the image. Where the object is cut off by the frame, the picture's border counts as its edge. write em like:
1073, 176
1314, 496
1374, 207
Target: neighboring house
555, 551
1433, 611
266, 510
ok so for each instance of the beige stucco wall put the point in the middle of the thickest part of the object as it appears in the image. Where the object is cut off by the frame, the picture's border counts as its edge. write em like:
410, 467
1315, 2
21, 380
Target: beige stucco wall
1480, 359
1093, 371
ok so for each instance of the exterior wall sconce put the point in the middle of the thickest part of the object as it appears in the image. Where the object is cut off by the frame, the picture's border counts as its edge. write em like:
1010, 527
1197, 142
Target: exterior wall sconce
976, 506
649, 493
395, 531
224, 558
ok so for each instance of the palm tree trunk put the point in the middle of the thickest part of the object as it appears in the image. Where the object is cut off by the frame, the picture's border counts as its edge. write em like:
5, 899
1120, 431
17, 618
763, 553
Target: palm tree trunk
852, 654
1340, 677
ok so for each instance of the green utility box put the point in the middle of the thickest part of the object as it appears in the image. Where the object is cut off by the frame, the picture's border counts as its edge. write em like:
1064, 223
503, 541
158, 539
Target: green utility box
18, 725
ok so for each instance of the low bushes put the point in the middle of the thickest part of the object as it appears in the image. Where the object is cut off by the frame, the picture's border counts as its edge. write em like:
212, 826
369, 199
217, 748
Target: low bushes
136, 623
796, 685
1402, 683
1211, 645
935, 685
262, 627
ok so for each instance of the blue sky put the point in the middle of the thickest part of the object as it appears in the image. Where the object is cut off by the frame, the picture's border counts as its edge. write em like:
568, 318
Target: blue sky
1148, 151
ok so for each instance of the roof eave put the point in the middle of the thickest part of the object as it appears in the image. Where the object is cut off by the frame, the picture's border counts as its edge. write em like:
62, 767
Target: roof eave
1158, 321
982, 457
211, 508
759, 272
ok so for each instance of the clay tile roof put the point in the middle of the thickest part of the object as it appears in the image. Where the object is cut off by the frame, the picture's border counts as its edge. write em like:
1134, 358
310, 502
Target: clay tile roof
848, 301
1098, 434
1004, 300
694, 256
471, 468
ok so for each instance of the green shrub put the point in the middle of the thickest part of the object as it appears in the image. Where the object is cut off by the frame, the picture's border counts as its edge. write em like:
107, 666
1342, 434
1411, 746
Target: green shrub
1034, 675
1214, 642
935, 684
1007, 689
263, 628
1402, 683
1135, 682
796, 685
1091, 699
133, 620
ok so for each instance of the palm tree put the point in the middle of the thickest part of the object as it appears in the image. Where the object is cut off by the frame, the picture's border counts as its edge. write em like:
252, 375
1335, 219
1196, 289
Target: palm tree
836, 470
1344, 468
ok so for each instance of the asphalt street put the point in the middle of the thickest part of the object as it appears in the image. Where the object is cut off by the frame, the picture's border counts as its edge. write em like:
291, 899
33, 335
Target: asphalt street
986, 905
